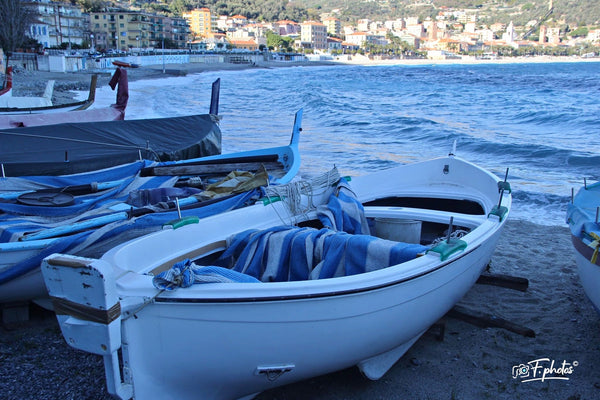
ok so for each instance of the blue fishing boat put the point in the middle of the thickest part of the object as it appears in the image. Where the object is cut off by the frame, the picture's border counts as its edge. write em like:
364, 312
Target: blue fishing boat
583, 217
88, 213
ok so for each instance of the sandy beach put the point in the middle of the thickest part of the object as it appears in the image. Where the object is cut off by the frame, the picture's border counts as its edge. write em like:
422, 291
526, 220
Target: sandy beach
469, 363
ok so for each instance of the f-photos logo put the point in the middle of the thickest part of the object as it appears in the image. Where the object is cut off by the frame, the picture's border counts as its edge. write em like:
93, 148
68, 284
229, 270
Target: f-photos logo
543, 369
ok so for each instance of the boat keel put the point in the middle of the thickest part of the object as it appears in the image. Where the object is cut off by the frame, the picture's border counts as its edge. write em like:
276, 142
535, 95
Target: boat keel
375, 367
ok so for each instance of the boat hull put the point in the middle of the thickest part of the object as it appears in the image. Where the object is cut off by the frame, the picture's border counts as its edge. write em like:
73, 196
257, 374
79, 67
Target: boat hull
582, 217
589, 273
228, 344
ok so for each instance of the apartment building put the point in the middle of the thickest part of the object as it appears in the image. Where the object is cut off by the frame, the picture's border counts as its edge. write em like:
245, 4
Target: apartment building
288, 28
201, 22
59, 24
123, 30
313, 35
333, 25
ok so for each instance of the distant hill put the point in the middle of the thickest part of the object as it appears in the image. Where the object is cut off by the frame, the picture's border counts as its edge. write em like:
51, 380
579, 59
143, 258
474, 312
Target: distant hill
571, 13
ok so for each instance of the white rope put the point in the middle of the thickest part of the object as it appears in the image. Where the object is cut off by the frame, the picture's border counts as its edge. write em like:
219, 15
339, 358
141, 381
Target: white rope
299, 196
456, 234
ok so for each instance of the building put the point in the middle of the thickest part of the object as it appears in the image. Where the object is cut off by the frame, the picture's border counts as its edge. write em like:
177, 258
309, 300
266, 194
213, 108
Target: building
362, 39
411, 40
313, 35
362, 25
543, 34
247, 44
357, 38
59, 24
417, 30
334, 44
594, 35
510, 35
123, 30
200, 22
239, 21
218, 41
288, 28
333, 25
553, 35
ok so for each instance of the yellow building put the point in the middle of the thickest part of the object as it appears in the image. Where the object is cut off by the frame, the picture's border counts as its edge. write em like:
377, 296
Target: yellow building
123, 30
333, 25
199, 21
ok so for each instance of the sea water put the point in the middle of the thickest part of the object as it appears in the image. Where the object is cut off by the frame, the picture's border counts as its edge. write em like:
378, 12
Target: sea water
541, 121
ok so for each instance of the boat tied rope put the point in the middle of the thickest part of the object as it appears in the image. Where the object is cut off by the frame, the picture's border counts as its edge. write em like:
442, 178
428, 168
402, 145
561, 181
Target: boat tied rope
299, 196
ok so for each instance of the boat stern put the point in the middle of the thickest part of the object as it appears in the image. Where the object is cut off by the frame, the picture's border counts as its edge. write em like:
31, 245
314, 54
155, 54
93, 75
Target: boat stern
88, 310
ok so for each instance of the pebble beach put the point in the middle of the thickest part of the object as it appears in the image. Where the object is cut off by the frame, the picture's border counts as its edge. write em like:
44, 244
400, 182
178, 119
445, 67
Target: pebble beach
468, 362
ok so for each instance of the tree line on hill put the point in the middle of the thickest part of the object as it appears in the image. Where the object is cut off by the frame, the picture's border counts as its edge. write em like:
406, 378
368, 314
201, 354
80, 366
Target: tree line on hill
572, 13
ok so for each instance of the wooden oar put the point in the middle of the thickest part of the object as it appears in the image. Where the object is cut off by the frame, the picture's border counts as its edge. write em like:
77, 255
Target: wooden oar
117, 216
218, 166
75, 190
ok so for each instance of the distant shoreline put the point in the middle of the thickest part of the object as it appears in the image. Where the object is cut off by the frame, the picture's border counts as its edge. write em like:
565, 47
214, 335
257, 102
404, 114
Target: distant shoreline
32, 83
363, 60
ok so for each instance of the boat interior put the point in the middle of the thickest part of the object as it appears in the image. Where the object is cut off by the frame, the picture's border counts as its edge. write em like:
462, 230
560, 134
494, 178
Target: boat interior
424, 222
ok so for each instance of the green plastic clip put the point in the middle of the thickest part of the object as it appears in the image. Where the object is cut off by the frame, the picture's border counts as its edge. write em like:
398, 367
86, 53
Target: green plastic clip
446, 249
270, 200
503, 185
499, 211
178, 223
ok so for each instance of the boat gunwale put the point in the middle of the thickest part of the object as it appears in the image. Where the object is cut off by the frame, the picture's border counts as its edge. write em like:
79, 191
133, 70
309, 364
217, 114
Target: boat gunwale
380, 282
335, 293
76, 106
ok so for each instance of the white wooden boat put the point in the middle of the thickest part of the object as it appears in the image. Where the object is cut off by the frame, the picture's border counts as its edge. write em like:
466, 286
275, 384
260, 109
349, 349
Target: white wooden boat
235, 339
583, 219
72, 113
13, 105
86, 215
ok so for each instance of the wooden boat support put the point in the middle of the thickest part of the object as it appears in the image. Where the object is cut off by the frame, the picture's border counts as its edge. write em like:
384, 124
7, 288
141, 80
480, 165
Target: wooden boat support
506, 281
484, 320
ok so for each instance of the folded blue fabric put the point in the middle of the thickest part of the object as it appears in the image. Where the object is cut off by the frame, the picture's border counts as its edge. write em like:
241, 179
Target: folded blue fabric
290, 253
185, 273
343, 212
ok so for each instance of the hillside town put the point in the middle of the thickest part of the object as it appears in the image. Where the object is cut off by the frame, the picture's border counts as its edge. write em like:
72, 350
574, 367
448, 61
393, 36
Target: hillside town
62, 25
